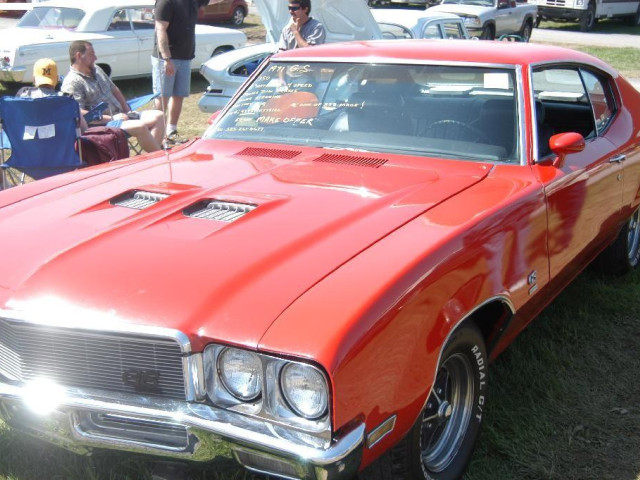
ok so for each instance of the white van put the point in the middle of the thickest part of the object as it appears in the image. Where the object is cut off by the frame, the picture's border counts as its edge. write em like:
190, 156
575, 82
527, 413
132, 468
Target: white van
587, 12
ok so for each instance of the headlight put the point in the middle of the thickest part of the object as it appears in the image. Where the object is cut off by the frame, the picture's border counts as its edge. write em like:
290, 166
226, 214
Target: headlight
305, 390
241, 373
472, 21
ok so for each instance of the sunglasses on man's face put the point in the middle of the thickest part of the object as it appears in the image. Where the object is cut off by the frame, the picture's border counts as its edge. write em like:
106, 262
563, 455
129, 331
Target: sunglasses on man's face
293, 9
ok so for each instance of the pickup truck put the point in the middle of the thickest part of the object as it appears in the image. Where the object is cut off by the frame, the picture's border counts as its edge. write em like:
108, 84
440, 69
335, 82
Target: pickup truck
489, 19
587, 13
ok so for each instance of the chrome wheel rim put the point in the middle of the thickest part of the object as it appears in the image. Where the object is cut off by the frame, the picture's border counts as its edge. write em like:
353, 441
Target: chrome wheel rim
238, 17
447, 414
633, 237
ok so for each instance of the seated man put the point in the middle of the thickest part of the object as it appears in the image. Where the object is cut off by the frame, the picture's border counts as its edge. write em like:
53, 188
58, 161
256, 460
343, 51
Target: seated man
45, 81
89, 85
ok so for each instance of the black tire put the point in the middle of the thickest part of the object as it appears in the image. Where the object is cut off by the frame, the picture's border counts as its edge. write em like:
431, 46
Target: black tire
536, 24
623, 255
634, 20
220, 50
237, 17
488, 33
588, 18
527, 28
440, 444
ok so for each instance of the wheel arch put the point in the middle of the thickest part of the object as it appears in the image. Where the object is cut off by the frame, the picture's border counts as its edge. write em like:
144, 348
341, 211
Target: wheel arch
106, 67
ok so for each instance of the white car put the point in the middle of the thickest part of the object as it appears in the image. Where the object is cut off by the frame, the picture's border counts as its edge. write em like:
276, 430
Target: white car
398, 23
122, 33
343, 20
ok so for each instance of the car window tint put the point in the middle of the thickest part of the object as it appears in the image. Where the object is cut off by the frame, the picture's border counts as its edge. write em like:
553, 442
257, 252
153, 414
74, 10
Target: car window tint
52, 17
600, 98
562, 102
392, 31
432, 31
142, 18
452, 30
119, 21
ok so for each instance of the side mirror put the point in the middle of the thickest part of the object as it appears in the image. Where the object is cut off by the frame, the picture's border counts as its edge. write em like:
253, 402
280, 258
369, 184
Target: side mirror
213, 117
565, 143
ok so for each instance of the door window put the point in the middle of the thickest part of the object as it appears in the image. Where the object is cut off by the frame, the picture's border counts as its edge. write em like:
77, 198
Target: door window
600, 98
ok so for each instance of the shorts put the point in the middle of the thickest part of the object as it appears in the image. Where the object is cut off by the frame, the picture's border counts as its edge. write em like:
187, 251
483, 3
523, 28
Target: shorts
176, 85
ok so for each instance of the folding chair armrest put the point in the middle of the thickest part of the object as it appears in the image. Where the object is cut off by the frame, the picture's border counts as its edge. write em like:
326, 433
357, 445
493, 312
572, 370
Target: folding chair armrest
136, 103
96, 112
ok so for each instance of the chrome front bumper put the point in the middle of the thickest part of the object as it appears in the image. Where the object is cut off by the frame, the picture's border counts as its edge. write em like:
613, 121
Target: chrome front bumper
83, 420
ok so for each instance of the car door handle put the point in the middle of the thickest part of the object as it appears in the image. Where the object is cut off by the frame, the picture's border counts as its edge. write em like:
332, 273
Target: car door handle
617, 158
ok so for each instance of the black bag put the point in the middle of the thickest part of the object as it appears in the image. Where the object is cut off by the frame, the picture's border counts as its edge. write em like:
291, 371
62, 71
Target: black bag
103, 144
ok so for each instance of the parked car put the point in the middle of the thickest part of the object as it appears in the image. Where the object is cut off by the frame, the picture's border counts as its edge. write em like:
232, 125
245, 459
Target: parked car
399, 23
490, 19
317, 286
226, 73
122, 32
233, 11
343, 20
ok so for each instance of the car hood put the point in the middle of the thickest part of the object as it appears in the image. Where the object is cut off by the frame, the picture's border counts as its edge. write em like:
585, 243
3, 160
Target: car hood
343, 20
460, 10
73, 254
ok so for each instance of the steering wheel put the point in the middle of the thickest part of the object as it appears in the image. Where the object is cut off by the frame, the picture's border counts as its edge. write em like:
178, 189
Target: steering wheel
453, 130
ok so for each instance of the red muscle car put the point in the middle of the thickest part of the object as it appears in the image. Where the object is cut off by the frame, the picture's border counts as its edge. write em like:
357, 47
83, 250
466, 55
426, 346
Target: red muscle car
316, 288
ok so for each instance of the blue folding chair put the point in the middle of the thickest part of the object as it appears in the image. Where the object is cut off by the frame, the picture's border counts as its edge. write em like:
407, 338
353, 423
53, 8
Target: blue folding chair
42, 133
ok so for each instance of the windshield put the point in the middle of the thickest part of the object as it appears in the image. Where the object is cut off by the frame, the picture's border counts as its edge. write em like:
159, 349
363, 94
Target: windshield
449, 111
52, 17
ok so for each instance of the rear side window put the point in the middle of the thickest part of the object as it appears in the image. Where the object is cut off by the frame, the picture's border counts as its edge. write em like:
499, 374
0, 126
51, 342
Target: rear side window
452, 30
600, 98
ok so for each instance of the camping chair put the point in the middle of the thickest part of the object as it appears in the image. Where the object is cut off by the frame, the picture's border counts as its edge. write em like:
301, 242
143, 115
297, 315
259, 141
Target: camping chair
134, 104
42, 133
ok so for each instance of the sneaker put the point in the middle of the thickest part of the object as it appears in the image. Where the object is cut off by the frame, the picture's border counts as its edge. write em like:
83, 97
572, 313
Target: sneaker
175, 139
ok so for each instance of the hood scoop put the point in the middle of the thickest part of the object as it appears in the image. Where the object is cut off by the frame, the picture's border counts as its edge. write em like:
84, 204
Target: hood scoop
137, 199
351, 160
269, 153
218, 210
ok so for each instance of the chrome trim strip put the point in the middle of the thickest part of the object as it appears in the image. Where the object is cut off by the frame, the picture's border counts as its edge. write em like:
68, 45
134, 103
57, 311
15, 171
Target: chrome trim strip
520, 117
206, 426
102, 322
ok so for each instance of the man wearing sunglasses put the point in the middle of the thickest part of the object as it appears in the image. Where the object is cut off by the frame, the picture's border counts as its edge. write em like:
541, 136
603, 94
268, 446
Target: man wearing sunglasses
303, 30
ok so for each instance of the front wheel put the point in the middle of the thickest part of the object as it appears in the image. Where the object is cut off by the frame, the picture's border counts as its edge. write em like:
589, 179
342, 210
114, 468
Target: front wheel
525, 33
440, 444
588, 18
488, 33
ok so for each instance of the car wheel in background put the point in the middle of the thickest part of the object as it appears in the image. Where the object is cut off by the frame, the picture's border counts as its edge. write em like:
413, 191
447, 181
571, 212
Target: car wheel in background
635, 19
238, 16
488, 33
588, 18
222, 49
623, 255
440, 444
527, 28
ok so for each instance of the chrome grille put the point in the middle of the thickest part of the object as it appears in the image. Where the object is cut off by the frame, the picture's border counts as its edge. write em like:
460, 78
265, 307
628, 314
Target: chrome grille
138, 200
88, 359
218, 210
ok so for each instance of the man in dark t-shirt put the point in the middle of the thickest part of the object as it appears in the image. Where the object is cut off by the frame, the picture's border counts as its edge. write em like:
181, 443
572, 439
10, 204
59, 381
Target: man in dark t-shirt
174, 49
